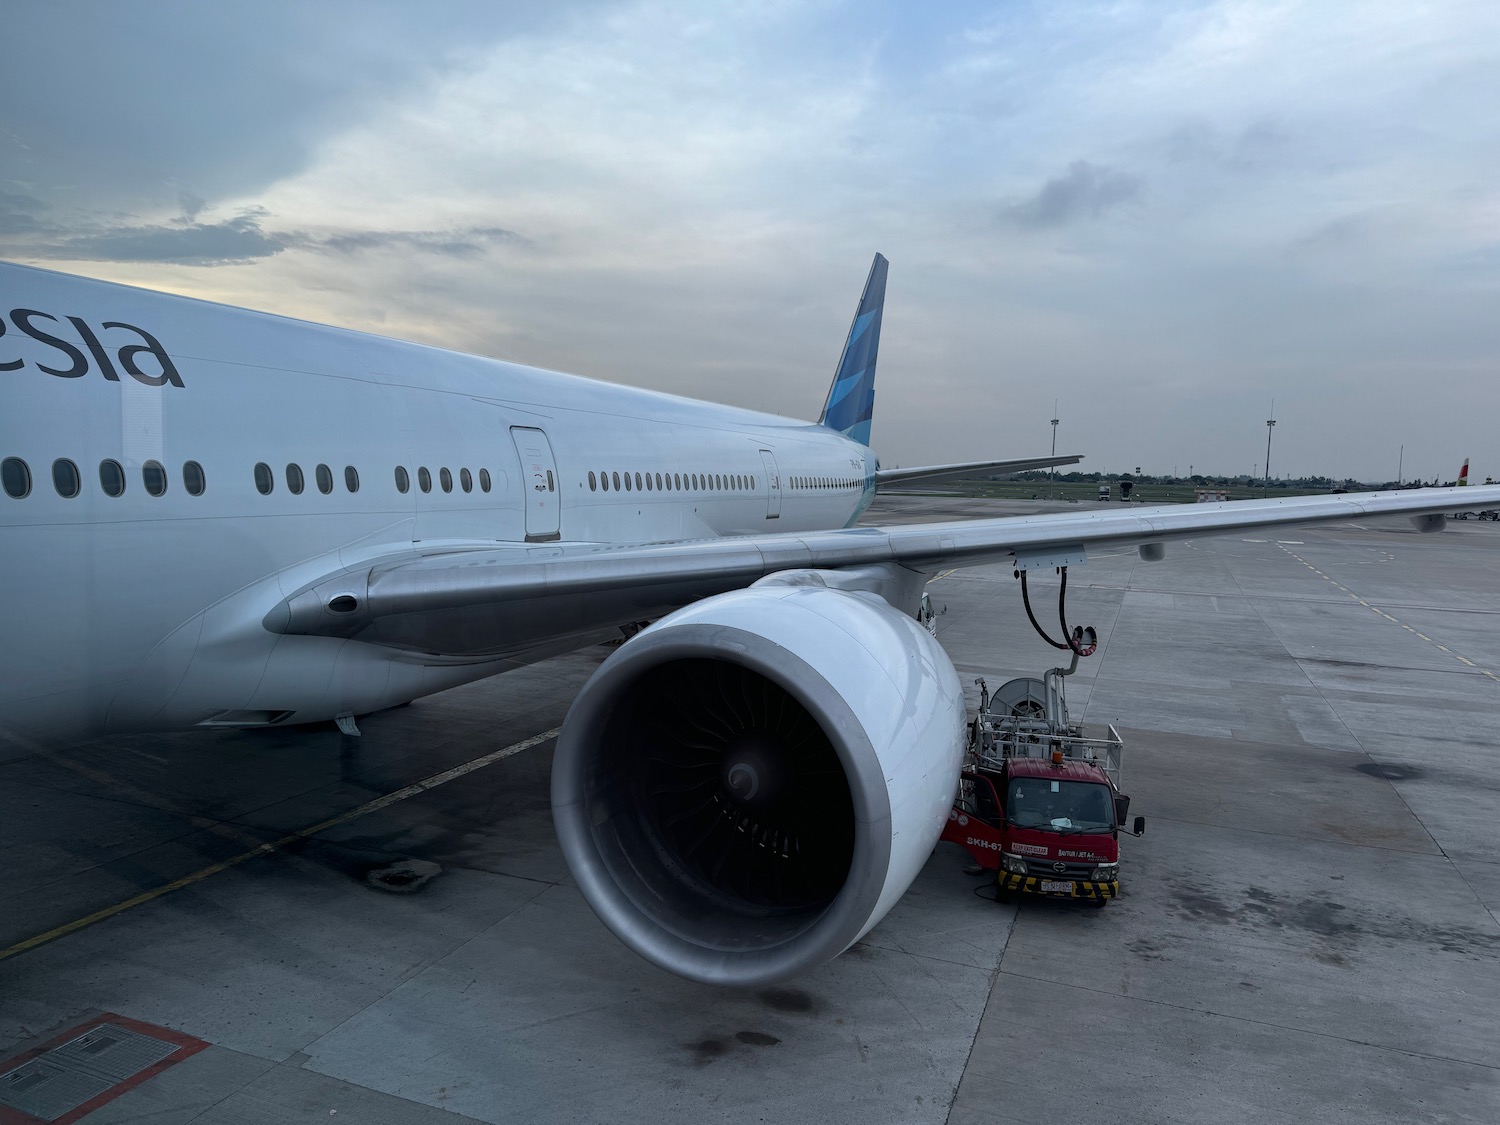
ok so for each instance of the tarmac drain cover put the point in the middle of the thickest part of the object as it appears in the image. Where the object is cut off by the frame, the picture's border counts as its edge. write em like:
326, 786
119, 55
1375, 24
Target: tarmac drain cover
85, 1067
403, 877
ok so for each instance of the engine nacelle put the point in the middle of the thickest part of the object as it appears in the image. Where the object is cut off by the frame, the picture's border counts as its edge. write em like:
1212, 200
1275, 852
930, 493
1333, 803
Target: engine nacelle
744, 789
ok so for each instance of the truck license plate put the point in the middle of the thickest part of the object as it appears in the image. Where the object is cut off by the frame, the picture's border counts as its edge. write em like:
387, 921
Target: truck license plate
1050, 886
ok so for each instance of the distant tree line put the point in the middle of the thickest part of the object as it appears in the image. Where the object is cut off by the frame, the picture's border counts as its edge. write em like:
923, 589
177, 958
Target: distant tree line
1243, 480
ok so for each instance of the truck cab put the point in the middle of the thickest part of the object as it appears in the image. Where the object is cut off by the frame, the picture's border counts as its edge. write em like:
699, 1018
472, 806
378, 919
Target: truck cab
1052, 828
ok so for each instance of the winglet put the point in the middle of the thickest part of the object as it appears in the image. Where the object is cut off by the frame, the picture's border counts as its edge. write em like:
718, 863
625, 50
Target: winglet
1463, 474
851, 398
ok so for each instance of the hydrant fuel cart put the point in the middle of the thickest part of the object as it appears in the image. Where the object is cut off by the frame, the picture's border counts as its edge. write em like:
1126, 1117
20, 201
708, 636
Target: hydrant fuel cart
1039, 800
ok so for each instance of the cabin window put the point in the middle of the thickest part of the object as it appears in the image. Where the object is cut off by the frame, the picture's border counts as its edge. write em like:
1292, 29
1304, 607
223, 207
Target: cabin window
403, 481
154, 476
551, 484
351, 478
677, 481
648, 483
484, 479
192, 478
658, 482
265, 480
604, 481
593, 483
627, 482
65, 478
445, 478
111, 478
424, 479
638, 482
466, 480
617, 482
294, 480
15, 475
324, 476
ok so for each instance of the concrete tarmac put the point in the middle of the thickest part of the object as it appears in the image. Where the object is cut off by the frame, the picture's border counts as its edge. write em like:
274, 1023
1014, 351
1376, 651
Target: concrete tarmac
1309, 929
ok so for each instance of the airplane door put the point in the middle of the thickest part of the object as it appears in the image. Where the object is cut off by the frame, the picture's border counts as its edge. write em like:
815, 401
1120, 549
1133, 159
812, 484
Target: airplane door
773, 483
539, 484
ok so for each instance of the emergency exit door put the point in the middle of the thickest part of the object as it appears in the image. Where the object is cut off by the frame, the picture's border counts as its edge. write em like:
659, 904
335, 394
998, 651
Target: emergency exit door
773, 484
539, 484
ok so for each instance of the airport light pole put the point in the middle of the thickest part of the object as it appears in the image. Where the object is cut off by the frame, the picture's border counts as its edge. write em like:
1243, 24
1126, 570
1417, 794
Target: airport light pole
1052, 469
1270, 425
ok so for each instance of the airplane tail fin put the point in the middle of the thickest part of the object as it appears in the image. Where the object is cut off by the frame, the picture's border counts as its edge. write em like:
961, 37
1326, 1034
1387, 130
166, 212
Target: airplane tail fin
1463, 474
851, 397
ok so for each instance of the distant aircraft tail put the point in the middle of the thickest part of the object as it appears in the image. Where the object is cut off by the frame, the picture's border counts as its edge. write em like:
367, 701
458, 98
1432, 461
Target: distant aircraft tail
1463, 474
851, 398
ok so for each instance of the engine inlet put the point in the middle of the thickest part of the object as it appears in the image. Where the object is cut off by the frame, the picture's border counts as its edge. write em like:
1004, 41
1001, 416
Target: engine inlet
735, 786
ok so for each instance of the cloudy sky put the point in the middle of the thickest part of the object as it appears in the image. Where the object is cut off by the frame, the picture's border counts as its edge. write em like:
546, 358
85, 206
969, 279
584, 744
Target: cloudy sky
1161, 216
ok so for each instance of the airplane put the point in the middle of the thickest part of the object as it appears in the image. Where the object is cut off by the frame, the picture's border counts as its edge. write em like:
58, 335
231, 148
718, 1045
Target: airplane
212, 517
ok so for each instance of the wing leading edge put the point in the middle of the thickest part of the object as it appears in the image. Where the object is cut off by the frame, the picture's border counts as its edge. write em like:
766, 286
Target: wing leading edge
482, 601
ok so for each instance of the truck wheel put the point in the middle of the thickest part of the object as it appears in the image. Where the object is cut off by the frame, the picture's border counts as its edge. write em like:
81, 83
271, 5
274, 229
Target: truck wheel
1001, 894
1098, 903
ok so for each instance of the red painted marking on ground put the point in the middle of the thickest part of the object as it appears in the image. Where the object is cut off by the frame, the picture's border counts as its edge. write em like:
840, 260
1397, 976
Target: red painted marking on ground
186, 1044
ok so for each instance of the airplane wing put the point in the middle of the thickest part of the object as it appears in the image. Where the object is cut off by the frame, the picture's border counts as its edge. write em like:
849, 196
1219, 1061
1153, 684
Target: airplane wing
486, 600
884, 478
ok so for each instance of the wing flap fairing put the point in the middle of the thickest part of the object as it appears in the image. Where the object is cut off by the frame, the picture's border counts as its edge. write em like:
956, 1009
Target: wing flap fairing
885, 478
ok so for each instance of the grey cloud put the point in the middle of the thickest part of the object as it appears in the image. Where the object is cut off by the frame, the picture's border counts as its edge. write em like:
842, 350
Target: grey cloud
18, 213
468, 242
1085, 191
1335, 236
192, 205
125, 103
243, 238
1256, 146
240, 239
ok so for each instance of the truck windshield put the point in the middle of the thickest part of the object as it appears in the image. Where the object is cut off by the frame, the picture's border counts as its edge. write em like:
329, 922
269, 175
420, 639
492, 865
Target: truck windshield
1064, 806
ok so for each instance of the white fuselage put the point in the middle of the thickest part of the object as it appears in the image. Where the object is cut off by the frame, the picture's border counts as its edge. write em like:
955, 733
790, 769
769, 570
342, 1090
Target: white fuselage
140, 611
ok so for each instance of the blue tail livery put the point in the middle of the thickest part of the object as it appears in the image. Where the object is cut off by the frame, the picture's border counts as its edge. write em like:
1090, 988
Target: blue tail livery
851, 398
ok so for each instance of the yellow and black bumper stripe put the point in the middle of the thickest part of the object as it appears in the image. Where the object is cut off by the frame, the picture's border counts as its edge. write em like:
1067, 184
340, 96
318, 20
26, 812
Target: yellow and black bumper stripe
1031, 884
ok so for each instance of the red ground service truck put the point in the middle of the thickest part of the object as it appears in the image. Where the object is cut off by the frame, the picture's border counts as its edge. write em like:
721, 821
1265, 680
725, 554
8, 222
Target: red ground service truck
1039, 801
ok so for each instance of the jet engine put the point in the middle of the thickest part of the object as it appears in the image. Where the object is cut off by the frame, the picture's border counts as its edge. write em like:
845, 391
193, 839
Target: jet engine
745, 788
